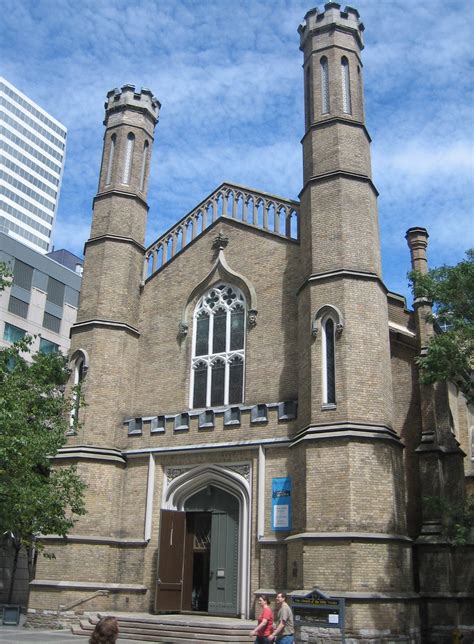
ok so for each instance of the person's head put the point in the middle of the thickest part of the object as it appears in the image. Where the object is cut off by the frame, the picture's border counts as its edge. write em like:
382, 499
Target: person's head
105, 632
263, 600
280, 598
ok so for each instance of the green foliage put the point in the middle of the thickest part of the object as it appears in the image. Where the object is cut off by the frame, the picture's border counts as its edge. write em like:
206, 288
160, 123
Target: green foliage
450, 354
35, 499
5, 276
457, 518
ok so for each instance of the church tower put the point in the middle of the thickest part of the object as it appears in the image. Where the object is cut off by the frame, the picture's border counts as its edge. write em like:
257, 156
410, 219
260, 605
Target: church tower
354, 510
106, 328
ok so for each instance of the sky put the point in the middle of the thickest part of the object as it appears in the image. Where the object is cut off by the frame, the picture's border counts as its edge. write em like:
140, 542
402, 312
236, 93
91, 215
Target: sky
228, 75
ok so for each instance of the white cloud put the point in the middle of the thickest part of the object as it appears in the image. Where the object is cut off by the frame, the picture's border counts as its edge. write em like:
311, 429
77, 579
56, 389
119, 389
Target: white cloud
230, 81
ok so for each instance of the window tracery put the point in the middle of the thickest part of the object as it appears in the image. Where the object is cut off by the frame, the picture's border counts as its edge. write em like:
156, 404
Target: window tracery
218, 348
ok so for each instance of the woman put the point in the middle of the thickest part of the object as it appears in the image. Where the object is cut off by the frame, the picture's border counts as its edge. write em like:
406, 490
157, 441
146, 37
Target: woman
265, 622
105, 632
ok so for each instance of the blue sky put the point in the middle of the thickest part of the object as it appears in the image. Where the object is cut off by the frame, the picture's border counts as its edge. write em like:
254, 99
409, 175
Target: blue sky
228, 75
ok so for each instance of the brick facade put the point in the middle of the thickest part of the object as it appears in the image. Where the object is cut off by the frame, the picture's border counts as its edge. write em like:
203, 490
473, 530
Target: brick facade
354, 462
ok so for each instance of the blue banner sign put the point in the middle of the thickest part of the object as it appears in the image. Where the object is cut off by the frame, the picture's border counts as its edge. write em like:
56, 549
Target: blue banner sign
281, 504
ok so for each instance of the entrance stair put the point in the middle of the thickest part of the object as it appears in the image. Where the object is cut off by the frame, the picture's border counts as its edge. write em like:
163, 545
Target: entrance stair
174, 629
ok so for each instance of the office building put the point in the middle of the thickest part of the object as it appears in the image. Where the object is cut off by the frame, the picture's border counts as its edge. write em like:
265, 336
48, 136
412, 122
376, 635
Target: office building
32, 153
43, 297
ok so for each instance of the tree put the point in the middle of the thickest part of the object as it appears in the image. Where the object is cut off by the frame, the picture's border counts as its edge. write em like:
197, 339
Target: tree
35, 499
450, 354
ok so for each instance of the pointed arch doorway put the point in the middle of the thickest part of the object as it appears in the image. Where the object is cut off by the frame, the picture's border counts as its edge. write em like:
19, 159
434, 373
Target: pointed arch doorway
204, 541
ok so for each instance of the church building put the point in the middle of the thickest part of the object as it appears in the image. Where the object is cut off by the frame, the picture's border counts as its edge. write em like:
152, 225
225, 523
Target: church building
253, 419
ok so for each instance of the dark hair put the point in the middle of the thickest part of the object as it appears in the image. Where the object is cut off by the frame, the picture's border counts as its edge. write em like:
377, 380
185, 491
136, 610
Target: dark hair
105, 632
283, 595
265, 598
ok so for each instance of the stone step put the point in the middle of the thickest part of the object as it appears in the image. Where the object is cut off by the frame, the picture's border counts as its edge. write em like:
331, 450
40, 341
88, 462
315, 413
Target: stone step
174, 631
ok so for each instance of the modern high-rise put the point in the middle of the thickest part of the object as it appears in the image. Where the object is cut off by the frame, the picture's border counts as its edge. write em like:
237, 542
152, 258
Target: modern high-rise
32, 153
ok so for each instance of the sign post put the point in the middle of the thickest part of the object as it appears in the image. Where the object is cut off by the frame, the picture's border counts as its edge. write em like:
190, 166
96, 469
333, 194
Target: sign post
318, 610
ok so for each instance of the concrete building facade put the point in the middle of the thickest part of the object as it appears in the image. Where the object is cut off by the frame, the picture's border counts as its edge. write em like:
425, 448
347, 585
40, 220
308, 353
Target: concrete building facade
43, 298
254, 420
42, 302
32, 154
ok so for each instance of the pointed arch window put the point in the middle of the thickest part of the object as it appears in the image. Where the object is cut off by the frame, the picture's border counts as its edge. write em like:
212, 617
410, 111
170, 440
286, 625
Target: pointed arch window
329, 363
127, 165
324, 85
346, 86
217, 374
110, 164
144, 165
308, 97
79, 372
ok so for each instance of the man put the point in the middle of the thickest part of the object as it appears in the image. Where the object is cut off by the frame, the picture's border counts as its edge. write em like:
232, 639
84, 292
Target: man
285, 631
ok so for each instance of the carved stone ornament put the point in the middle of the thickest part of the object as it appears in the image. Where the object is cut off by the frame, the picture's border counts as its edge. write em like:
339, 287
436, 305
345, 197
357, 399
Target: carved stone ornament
220, 241
243, 470
339, 328
182, 329
173, 472
252, 318
314, 331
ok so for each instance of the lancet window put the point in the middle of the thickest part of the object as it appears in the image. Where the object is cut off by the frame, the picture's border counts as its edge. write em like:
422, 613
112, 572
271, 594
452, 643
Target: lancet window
79, 371
144, 165
127, 166
217, 374
110, 165
324, 85
329, 363
346, 86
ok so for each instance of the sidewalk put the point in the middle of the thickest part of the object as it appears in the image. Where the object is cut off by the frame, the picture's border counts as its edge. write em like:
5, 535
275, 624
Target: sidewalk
20, 635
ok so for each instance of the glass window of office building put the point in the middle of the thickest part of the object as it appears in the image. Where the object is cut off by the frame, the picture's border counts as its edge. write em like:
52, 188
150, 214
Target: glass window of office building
32, 151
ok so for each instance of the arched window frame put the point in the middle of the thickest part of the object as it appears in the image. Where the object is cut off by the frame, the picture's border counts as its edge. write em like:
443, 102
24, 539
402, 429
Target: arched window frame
324, 68
309, 96
346, 86
221, 300
324, 314
127, 162
110, 163
80, 365
146, 146
328, 353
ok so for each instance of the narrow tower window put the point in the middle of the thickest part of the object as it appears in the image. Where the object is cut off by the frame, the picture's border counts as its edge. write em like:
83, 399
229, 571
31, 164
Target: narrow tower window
217, 374
346, 86
324, 85
308, 97
329, 366
79, 373
110, 165
144, 165
127, 166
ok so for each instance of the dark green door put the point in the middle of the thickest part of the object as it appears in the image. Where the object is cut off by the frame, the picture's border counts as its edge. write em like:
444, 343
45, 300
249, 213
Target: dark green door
224, 547
223, 565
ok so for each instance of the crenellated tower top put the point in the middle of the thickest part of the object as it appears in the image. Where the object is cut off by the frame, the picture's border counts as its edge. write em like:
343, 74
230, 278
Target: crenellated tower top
320, 21
128, 98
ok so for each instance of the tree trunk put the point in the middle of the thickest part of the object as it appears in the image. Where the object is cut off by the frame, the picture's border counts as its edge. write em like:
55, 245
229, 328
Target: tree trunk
17, 548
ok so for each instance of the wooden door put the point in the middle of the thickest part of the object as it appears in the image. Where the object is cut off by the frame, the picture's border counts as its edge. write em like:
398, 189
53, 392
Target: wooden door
223, 565
169, 585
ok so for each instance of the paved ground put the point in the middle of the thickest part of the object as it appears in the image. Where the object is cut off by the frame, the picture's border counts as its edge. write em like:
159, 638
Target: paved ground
20, 635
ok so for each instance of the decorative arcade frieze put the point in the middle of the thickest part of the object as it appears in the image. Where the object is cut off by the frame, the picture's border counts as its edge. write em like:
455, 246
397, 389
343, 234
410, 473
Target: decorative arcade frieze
264, 211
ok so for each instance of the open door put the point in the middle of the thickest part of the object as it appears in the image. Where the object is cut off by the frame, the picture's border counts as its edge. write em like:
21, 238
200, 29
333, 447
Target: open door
169, 586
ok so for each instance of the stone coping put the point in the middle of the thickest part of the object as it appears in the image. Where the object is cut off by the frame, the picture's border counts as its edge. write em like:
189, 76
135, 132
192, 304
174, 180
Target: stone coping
88, 585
